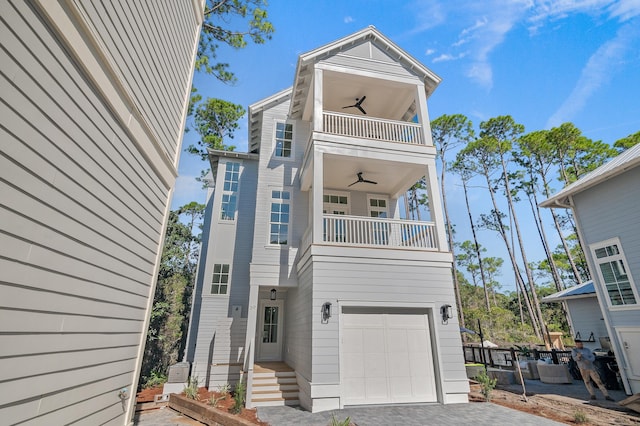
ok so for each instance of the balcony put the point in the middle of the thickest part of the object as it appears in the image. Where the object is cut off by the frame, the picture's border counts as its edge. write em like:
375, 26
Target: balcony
372, 128
378, 232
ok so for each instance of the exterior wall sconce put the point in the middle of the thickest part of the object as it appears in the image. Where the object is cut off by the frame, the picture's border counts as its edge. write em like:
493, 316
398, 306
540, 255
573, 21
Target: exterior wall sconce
273, 294
326, 312
445, 311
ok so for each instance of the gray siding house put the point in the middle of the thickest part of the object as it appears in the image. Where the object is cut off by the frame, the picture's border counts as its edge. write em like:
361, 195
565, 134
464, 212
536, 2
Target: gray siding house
605, 205
94, 98
314, 286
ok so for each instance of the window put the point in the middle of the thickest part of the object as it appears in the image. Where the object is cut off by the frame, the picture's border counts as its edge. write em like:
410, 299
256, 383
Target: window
611, 267
279, 225
379, 229
284, 139
230, 191
220, 281
270, 328
335, 204
378, 207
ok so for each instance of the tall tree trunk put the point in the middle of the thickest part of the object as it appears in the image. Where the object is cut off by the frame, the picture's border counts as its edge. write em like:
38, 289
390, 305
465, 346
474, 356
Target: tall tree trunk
476, 246
527, 268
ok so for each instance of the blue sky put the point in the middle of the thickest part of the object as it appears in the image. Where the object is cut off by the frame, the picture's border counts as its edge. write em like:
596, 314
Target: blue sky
542, 62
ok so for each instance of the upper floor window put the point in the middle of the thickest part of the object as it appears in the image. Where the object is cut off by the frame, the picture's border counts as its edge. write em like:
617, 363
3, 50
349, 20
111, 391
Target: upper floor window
284, 139
279, 223
220, 280
230, 191
378, 207
612, 270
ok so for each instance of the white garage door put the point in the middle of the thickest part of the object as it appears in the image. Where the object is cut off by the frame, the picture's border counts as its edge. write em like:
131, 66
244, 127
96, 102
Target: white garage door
386, 356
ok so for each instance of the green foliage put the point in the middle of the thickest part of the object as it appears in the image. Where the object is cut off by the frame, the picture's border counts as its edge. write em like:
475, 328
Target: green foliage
627, 142
239, 397
249, 15
191, 390
487, 385
155, 379
336, 422
214, 120
580, 417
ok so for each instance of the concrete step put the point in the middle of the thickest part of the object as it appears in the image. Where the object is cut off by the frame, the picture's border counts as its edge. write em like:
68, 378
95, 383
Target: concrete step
261, 394
275, 387
282, 374
274, 402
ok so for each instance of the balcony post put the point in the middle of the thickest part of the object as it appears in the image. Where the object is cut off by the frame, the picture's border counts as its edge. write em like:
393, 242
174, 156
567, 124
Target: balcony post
423, 115
435, 207
317, 100
316, 198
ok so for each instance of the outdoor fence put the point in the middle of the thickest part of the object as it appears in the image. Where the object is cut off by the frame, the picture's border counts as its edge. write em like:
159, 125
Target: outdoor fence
505, 357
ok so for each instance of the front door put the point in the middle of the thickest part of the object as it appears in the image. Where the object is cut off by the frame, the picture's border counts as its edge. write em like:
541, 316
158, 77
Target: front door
270, 330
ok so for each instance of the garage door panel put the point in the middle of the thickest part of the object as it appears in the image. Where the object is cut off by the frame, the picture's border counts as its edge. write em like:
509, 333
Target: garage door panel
387, 358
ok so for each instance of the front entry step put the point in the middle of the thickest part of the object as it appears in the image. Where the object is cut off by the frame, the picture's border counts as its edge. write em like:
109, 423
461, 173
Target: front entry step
274, 384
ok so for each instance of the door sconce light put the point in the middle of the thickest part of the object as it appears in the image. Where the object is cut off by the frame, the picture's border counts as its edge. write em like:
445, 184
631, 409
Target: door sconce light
445, 311
273, 294
326, 312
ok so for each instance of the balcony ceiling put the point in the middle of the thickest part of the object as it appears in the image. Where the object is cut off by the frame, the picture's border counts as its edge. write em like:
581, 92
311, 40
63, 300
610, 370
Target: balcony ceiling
385, 99
393, 178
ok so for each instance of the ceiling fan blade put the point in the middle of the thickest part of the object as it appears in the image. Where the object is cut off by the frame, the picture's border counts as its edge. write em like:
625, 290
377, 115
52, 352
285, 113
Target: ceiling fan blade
369, 181
362, 110
360, 101
348, 106
358, 181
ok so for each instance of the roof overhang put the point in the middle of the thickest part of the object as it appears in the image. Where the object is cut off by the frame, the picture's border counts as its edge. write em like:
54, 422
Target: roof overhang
581, 291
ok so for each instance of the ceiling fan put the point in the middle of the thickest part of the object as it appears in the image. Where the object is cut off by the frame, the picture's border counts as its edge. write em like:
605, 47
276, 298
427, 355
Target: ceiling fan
358, 105
361, 179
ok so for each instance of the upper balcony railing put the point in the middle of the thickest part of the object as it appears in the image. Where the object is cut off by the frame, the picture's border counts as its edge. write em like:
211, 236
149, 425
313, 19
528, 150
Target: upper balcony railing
378, 232
372, 128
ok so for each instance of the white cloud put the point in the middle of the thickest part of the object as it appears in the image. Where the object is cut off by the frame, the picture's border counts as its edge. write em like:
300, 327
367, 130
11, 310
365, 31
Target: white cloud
448, 57
348, 19
430, 52
597, 72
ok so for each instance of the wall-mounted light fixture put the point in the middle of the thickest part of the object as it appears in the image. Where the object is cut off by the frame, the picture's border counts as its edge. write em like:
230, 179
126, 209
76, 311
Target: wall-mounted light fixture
445, 311
273, 294
326, 312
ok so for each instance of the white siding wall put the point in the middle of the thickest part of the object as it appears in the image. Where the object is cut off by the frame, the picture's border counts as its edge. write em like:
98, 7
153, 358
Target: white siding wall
83, 204
586, 318
218, 360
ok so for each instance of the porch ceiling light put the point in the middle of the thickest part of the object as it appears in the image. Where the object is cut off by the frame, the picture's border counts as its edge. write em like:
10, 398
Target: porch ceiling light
273, 294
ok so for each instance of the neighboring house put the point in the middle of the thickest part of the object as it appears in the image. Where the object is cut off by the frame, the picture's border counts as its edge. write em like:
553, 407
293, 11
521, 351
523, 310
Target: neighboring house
606, 206
583, 314
94, 98
310, 283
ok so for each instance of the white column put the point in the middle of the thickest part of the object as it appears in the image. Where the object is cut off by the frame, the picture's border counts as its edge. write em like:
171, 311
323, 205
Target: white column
317, 101
250, 340
423, 115
316, 197
435, 206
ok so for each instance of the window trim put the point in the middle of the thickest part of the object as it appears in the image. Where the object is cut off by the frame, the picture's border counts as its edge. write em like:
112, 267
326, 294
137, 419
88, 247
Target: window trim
274, 140
211, 283
377, 197
290, 203
230, 193
339, 194
620, 256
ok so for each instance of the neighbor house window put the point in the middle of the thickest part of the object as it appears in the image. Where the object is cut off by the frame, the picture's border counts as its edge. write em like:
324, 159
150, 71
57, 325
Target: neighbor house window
220, 281
284, 139
279, 224
611, 266
230, 191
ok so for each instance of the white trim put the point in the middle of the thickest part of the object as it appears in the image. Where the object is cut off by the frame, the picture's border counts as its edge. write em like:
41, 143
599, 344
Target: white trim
288, 189
329, 192
210, 281
222, 173
601, 282
277, 121
370, 197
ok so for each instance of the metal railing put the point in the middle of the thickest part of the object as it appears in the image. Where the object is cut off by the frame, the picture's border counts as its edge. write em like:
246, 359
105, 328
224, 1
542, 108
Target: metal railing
505, 357
378, 232
372, 128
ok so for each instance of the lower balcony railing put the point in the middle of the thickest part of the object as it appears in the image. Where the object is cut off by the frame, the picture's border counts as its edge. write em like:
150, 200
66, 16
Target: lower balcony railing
378, 232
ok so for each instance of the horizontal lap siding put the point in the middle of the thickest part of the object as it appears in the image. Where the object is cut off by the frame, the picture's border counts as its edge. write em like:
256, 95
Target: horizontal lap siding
151, 67
586, 319
81, 214
392, 285
298, 325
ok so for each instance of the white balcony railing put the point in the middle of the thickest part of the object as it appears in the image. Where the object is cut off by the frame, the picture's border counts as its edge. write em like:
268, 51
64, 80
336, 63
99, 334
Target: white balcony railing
372, 128
377, 232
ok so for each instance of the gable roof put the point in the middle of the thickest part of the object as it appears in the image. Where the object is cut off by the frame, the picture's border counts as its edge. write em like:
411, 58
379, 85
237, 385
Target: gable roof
304, 68
618, 165
255, 116
585, 289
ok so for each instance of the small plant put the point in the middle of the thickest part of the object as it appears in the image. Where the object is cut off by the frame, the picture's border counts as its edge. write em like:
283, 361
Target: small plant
154, 380
224, 389
487, 384
580, 417
213, 401
524, 351
191, 390
336, 422
238, 398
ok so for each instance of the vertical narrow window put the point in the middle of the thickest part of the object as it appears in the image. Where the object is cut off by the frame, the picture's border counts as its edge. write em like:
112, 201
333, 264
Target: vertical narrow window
220, 281
611, 265
284, 139
279, 224
230, 191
